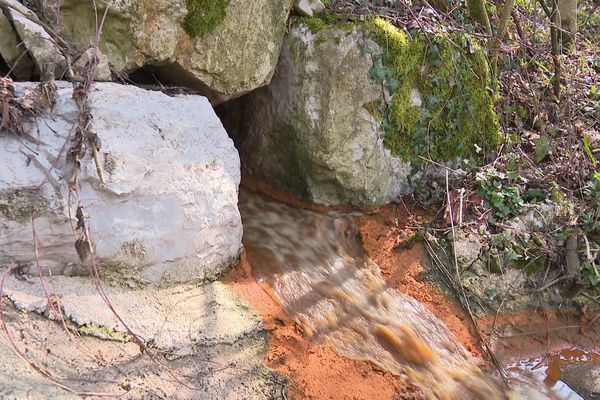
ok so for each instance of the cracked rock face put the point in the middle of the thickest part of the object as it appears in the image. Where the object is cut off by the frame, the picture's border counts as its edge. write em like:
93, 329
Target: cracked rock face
236, 57
168, 211
205, 342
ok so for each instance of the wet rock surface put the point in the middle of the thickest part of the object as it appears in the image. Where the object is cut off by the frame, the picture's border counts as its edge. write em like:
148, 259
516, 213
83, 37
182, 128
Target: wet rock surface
584, 379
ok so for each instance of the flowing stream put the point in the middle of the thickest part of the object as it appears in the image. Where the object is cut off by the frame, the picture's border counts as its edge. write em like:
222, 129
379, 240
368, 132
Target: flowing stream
314, 266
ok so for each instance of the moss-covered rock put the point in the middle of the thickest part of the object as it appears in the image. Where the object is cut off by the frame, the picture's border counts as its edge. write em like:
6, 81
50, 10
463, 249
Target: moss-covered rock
204, 16
342, 89
21, 205
221, 48
311, 131
441, 103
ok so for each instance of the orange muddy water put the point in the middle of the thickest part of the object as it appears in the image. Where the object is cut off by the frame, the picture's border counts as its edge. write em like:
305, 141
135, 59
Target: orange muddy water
313, 266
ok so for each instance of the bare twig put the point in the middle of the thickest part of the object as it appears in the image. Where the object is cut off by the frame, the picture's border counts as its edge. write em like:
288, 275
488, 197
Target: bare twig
463, 295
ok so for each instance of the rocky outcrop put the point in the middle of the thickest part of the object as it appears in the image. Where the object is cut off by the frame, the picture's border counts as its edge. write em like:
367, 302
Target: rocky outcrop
26, 46
42, 48
14, 56
168, 211
223, 49
311, 131
308, 8
202, 342
352, 104
584, 379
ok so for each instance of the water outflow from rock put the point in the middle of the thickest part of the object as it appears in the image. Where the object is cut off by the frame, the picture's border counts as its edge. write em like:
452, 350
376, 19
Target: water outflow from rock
314, 266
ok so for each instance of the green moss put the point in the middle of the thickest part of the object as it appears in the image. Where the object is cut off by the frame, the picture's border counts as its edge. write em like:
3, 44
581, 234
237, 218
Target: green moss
319, 22
20, 204
320, 39
374, 108
204, 16
455, 113
103, 332
326, 20
477, 11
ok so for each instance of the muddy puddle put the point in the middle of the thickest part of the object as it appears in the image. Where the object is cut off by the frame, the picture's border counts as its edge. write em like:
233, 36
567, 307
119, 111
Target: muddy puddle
550, 370
313, 265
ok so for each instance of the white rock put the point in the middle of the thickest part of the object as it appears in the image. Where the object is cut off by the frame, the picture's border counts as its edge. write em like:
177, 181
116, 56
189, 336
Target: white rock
168, 212
308, 7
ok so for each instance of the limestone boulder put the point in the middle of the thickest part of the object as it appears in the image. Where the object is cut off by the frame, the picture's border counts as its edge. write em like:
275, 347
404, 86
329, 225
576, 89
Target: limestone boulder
584, 379
40, 45
223, 49
312, 131
15, 56
168, 210
308, 8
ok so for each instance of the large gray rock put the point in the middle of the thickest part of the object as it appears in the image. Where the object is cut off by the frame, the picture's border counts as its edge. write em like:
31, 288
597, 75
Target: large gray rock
227, 58
584, 379
168, 211
311, 131
15, 56
42, 48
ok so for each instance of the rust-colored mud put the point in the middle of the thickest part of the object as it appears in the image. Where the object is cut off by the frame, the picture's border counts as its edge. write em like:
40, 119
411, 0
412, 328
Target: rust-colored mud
256, 185
315, 372
318, 372
529, 333
384, 237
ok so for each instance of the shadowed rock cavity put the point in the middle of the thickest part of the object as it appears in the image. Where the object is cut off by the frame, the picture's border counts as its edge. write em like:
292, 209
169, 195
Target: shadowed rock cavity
233, 57
310, 132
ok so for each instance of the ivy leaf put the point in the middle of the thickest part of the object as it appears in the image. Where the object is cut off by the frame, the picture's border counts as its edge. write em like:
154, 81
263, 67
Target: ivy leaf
392, 84
592, 273
543, 149
536, 195
377, 73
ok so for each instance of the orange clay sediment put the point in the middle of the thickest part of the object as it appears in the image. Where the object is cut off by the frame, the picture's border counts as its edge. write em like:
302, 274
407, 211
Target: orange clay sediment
317, 372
